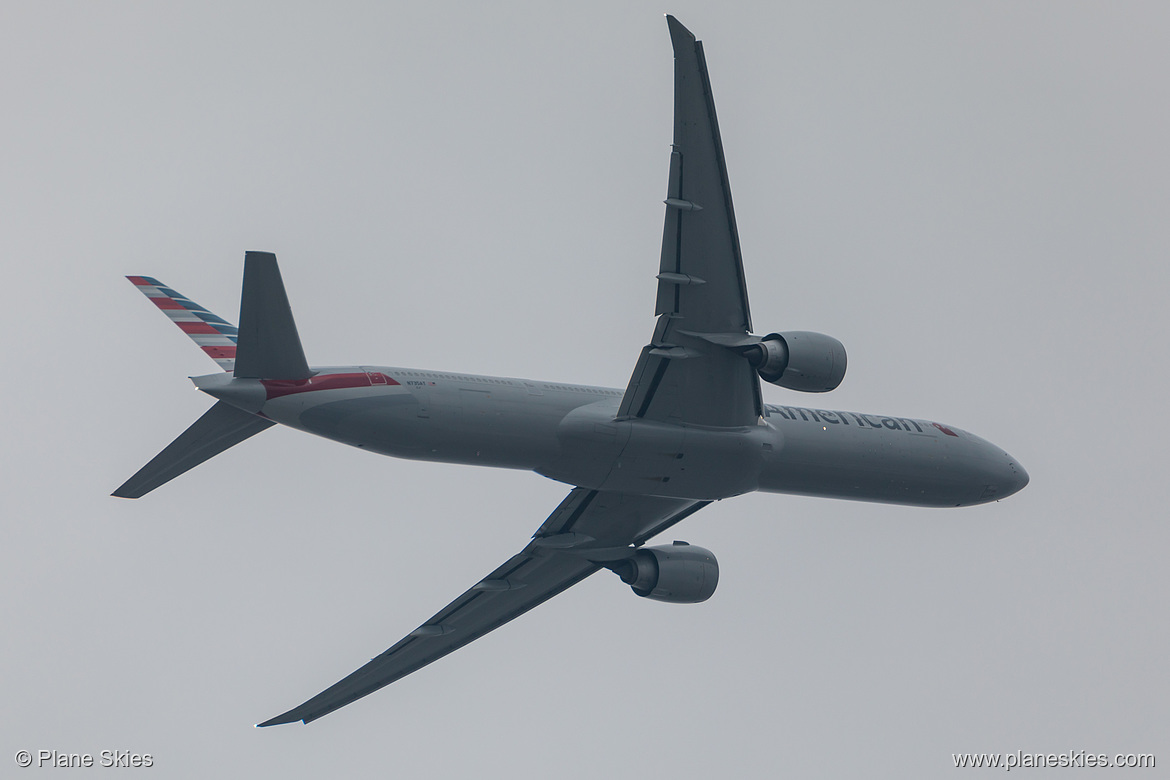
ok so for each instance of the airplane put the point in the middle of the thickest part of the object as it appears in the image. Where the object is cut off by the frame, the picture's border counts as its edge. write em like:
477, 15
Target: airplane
690, 428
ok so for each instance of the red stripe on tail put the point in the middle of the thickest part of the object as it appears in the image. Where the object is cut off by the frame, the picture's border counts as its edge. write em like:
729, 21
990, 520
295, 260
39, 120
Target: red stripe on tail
197, 327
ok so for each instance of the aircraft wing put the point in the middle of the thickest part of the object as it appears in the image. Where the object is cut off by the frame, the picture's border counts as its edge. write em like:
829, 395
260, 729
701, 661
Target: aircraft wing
686, 374
588, 528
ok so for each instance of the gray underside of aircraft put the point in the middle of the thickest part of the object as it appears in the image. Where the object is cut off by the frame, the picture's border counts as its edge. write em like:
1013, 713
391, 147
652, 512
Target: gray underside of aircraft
690, 428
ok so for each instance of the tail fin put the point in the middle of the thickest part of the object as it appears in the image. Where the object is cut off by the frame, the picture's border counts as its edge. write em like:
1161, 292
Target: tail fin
269, 347
266, 346
214, 335
221, 427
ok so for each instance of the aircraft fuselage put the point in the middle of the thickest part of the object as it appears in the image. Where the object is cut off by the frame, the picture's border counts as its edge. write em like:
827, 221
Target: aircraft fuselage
571, 433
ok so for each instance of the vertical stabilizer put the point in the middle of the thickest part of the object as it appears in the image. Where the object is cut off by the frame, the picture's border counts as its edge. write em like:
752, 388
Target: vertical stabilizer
268, 346
214, 335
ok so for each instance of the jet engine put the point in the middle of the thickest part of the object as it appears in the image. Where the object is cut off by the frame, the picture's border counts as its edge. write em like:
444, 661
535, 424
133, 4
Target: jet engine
799, 360
679, 573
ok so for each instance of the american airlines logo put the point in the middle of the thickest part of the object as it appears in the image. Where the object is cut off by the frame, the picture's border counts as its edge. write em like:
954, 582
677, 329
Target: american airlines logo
850, 418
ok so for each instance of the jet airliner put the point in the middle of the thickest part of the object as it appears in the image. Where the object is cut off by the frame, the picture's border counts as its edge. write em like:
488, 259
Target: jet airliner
691, 426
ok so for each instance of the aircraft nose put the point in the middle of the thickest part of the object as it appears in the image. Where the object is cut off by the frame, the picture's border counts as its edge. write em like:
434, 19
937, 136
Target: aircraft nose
1014, 478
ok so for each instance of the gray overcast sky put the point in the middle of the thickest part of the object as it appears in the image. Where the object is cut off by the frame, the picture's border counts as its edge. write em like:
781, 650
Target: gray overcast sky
971, 196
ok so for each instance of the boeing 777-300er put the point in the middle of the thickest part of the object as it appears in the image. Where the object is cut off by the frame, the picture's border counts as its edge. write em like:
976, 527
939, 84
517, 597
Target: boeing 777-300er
691, 427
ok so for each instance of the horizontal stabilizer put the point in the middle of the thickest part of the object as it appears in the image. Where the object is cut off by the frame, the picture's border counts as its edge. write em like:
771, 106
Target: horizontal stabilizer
268, 346
221, 427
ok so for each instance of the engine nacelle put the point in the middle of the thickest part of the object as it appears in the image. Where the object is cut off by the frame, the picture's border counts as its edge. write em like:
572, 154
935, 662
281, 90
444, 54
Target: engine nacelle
799, 360
680, 573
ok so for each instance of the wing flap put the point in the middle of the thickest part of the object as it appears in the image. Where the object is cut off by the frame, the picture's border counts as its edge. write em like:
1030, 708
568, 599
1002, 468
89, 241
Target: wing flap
717, 389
